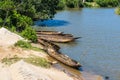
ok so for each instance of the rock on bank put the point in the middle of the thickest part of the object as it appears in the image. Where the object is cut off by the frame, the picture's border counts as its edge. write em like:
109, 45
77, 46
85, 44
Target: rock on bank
8, 38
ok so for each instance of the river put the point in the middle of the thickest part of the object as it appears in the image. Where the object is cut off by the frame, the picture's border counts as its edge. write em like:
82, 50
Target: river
99, 48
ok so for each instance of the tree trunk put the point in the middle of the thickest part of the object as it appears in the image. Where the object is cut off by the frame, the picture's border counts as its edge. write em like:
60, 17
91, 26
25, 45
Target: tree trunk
84, 1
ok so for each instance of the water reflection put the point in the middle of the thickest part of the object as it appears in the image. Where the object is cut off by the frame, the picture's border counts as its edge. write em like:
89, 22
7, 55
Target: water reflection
51, 23
67, 45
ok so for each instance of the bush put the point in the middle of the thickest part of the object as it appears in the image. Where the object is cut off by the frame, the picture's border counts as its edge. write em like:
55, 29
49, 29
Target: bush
74, 3
29, 34
91, 4
23, 44
117, 10
107, 3
61, 5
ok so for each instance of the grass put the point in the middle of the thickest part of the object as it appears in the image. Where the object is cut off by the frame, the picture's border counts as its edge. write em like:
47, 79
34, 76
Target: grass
23, 44
26, 45
34, 60
38, 61
9, 61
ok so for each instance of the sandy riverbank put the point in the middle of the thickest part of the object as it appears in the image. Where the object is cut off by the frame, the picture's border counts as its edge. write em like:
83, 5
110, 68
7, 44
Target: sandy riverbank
24, 71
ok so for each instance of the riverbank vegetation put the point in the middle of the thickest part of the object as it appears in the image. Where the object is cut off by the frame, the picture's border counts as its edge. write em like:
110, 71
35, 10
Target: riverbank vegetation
63, 4
35, 60
26, 45
107, 3
18, 15
117, 10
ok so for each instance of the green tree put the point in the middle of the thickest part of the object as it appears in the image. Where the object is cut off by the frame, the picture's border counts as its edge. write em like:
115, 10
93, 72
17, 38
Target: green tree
117, 10
73, 3
61, 5
37, 9
18, 15
107, 3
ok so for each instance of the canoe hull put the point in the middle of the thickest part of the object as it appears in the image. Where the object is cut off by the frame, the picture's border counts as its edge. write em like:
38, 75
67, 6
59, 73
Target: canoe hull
64, 59
48, 32
56, 38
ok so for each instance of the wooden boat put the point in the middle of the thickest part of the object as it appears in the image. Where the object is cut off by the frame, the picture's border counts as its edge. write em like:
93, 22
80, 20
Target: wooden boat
68, 35
48, 44
63, 58
48, 32
53, 52
53, 33
57, 38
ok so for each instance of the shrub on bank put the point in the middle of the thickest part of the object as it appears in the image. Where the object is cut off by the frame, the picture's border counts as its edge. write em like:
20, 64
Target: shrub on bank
74, 3
117, 10
107, 3
91, 4
61, 5
23, 44
69, 4
29, 34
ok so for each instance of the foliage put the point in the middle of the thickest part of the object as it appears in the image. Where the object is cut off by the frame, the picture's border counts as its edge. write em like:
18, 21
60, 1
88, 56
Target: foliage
73, 3
91, 4
29, 34
37, 61
21, 22
107, 3
61, 5
117, 10
70, 4
37, 9
18, 15
23, 44
26, 45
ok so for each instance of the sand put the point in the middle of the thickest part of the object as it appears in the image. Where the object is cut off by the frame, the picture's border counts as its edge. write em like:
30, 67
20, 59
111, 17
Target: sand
24, 71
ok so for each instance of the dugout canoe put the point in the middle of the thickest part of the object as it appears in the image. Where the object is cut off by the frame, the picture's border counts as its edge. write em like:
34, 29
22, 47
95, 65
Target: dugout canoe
57, 38
63, 58
48, 32
48, 44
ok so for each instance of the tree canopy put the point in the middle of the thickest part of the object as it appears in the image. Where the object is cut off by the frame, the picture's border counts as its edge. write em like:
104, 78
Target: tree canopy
107, 3
18, 15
